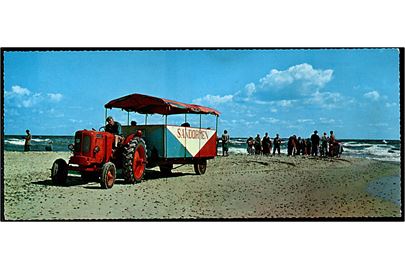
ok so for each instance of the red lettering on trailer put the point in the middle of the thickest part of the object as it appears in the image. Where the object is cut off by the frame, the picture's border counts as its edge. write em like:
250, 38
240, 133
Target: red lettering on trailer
192, 134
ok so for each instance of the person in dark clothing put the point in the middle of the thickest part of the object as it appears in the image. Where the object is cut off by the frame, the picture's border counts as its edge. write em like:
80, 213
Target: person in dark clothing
250, 146
266, 143
290, 145
277, 144
299, 143
114, 127
315, 143
258, 145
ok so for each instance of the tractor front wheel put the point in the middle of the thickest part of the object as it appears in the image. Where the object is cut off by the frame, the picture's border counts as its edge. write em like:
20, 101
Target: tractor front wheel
200, 167
59, 172
108, 174
134, 160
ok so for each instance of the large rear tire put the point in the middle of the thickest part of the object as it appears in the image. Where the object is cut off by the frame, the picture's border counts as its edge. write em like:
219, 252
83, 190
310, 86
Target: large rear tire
200, 167
108, 175
134, 161
59, 172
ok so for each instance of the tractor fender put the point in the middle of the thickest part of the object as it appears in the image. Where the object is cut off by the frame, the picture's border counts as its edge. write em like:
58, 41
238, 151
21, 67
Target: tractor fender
131, 136
128, 139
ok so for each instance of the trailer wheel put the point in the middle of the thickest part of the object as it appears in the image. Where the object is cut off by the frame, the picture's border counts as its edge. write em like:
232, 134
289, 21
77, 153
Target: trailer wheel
59, 172
200, 167
166, 169
134, 160
108, 174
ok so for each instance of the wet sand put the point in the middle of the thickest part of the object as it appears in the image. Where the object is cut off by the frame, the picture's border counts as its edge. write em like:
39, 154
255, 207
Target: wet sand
238, 186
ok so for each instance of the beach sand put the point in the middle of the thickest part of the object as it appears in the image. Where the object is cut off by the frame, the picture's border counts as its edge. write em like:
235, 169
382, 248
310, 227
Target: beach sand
238, 186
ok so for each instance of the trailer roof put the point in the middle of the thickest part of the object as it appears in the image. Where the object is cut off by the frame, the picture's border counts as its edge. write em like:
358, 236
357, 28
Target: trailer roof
149, 105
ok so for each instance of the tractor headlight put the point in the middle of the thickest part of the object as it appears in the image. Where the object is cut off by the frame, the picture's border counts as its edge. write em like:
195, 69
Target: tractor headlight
96, 149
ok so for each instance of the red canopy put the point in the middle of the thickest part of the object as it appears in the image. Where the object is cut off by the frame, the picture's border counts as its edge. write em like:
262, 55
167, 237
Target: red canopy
149, 105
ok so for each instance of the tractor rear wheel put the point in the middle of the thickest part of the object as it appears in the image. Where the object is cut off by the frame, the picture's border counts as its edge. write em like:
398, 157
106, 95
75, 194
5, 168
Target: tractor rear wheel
200, 167
108, 174
59, 172
166, 169
134, 161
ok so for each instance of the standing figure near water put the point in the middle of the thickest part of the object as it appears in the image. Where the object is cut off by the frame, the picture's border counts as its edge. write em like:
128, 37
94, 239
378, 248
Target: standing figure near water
27, 144
258, 145
266, 142
276, 143
315, 143
225, 143
324, 145
332, 144
250, 146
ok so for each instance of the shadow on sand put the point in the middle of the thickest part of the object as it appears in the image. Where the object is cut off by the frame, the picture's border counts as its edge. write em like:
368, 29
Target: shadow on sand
75, 180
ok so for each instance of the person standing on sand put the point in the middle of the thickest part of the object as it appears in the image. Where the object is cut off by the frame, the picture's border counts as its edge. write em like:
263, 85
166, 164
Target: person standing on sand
266, 142
324, 145
258, 145
331, 144
276, 143
250, 146
315, 143
27, 144
225, 143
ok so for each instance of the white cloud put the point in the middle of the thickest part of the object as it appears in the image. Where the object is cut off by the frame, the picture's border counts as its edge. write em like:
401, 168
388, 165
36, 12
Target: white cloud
328, 100
373, 95
324, 120
20, 90
389, 105
250, 88
20, 97
303, 73
55, 97
285, 103
305, 121
213, 100
269, 120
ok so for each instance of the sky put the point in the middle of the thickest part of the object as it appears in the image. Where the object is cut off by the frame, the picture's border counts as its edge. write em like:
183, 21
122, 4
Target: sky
354, 92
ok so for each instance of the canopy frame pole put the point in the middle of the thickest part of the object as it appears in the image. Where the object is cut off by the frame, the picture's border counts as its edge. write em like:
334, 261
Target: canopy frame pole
165, 136
105, 116
216, 131
128, 119
146, 119
199, 140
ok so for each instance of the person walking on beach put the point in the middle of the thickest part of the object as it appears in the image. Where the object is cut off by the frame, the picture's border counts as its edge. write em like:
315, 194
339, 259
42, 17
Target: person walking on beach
258, 145
27, 144
114, 127
292, 145
225, 143
277, 144
250, 146
266, 142
324, 145
315, 143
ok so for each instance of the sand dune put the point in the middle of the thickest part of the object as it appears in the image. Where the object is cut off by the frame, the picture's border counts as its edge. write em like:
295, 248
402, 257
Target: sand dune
237, 186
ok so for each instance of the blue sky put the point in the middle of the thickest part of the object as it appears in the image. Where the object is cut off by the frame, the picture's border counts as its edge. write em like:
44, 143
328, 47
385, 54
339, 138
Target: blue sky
354, 92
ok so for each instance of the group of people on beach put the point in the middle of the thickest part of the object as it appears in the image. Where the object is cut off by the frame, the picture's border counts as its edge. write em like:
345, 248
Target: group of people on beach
324, 146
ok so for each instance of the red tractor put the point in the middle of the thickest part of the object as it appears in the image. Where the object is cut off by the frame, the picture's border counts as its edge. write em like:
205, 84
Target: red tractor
144, 146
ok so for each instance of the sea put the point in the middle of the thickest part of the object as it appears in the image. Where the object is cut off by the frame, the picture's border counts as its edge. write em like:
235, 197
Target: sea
384, 150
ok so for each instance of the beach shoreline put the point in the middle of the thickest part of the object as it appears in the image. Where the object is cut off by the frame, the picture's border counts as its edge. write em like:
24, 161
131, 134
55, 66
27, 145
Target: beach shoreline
234, 187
